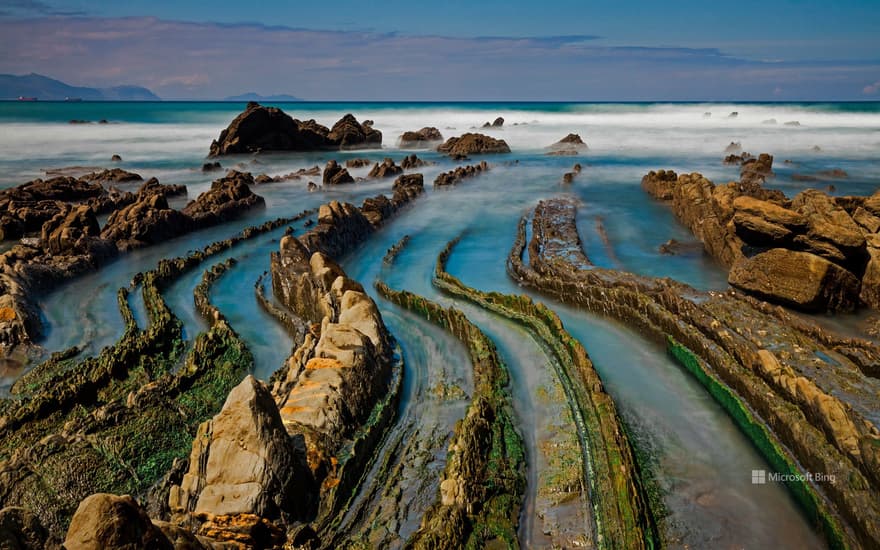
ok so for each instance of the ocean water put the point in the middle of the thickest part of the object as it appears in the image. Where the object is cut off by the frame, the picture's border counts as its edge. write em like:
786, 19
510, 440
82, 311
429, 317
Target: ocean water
702, 462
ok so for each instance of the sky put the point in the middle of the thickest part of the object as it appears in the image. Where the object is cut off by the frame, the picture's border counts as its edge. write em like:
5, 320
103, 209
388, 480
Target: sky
555, 50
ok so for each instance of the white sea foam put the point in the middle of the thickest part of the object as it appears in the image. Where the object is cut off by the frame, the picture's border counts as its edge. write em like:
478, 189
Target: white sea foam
626, 131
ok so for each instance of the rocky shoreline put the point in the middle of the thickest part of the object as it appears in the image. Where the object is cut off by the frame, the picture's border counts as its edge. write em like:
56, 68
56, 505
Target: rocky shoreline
169, 440
802, 409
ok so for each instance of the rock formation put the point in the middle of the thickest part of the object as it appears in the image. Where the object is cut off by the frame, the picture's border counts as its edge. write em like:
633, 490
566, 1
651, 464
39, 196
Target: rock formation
473, 144
425, 137
335, 174
801, 394
228, 198
571, 144
821, 250
385, 169
261, 128
248, 477
455, 176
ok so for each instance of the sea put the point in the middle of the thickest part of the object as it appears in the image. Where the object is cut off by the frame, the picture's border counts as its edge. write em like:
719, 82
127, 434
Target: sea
701, 462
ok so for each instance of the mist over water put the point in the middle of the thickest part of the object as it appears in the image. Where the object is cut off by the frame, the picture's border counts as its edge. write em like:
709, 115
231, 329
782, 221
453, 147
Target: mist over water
702, 461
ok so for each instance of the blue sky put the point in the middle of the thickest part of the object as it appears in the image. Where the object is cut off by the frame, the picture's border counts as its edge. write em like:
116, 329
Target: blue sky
395, 50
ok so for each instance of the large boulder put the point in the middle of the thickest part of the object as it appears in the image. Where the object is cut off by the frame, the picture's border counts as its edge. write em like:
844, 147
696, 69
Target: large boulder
797, 279
244, 468
832, 227
420, 138
228, 198
110, 522
348, 133
261, 128
473, 144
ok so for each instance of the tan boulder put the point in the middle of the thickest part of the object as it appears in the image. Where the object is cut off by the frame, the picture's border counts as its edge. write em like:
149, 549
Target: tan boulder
798, 279
109, 522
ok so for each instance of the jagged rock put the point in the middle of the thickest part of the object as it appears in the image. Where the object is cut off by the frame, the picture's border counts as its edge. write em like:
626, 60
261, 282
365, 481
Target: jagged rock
261, 128
357, 163
61, 188
660, 184
147, 221
497, 123
455, 176
420, 138
386, 169
211, 166
737, 159
348, 133
110, 522
335, 174
67, 231
473, 144
22, 530
115, 158
411, 162
244, 463
798, 279
831, 224
228, 198
755, 171
870, 293
263, 178
570, 144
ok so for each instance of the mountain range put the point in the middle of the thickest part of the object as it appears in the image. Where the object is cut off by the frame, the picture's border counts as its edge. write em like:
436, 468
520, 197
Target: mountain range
49, 89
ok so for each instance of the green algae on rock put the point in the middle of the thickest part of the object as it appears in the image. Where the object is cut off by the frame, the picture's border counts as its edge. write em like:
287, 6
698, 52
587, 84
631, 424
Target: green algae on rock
484, 480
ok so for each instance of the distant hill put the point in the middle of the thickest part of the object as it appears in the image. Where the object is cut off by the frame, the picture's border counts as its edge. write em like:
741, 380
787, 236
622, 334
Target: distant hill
252, 96
49, 89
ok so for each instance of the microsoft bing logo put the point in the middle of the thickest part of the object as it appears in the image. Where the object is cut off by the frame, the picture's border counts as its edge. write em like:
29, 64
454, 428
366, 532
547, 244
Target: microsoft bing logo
759, 477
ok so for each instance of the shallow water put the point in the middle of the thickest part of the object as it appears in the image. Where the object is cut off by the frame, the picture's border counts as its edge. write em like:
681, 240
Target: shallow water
699, 459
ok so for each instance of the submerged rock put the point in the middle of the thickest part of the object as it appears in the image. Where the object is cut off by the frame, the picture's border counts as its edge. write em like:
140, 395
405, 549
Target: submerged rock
569, 145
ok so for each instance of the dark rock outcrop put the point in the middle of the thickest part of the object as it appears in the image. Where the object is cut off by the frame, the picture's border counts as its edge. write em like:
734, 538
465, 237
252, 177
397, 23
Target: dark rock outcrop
335, 174
113, 175
497, 123
385, 169
357, 163
420, 138
261, 128
22, 530
473, 144
412, 162
455, 176
69, 231
228, 198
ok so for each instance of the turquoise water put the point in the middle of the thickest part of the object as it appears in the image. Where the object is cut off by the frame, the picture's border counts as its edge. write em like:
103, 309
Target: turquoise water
702, 459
